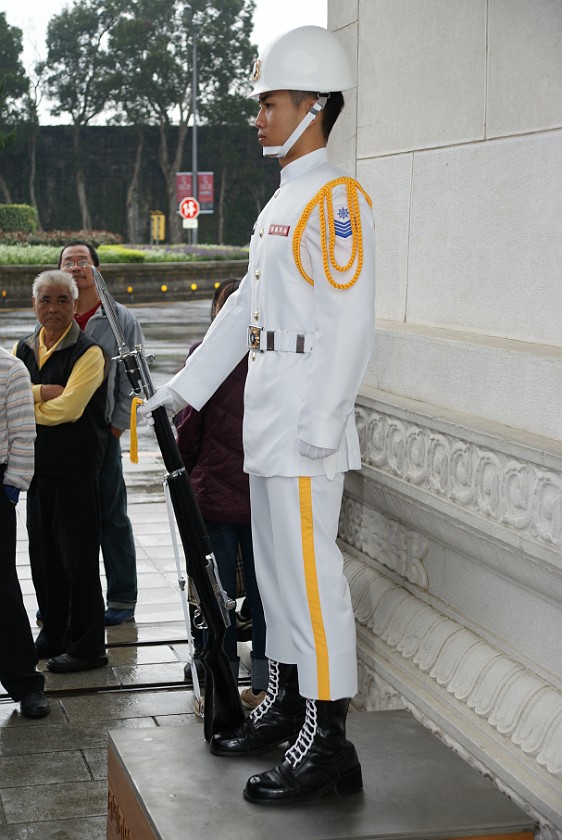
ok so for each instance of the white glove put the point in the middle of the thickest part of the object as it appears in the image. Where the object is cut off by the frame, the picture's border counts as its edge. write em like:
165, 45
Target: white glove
307, 450
165, 397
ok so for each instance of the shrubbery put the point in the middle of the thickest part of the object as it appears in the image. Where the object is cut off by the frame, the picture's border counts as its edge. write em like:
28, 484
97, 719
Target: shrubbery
17, 217
26, 254
56, 238
43, 255
119, 254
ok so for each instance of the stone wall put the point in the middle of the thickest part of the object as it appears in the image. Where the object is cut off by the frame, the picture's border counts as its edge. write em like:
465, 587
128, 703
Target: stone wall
453, 528
132, 283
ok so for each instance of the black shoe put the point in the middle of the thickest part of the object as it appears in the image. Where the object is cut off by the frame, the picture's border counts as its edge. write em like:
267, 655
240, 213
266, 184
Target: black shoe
113, 617
277, 720
44, 651
67, 664
34, 705
321, 761
188, 676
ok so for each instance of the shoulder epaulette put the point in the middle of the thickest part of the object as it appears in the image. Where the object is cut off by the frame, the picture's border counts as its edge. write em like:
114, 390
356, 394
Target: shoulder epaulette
323, 200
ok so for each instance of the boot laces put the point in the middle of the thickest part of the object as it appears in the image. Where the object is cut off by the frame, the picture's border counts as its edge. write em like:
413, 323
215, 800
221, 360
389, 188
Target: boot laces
272, 692
297, 753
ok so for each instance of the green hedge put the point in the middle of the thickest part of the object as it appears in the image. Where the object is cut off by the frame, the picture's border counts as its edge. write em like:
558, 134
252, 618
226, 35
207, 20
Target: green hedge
58, 238
119, 254
18, 217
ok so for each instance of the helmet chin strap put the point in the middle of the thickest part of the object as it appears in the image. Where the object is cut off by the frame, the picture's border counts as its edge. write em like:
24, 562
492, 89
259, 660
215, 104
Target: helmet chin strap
281, 151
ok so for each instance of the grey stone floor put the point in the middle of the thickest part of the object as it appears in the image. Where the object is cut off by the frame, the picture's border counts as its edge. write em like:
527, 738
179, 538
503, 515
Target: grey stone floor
53, 777
53, 772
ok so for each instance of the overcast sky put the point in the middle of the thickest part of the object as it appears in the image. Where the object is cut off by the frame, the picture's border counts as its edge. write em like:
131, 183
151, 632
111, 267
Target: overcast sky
271, 18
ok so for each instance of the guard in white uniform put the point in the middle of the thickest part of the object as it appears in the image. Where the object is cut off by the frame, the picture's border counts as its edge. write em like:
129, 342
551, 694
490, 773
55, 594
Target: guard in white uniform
305, 314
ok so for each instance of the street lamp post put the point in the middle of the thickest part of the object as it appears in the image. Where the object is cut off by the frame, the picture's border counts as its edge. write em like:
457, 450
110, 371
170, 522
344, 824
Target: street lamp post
194, 173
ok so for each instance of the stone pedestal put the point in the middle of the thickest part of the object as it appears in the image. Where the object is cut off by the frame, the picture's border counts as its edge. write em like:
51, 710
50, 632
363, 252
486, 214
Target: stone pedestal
164, 784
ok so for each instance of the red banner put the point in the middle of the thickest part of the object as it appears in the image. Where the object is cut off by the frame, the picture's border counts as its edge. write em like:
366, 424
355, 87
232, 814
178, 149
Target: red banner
205, 193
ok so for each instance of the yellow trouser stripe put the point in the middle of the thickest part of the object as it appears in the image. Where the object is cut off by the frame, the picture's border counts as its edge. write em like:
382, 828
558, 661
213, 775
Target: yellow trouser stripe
312, 591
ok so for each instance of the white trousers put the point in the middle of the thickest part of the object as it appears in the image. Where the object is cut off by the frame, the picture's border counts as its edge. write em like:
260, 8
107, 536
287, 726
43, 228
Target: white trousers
299, 569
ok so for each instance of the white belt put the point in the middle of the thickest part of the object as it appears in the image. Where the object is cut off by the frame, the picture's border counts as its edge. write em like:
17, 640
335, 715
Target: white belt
284, 341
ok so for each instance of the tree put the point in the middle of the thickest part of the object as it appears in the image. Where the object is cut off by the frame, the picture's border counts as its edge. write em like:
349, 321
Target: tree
13, 85
153, 47
79, 72
31, 102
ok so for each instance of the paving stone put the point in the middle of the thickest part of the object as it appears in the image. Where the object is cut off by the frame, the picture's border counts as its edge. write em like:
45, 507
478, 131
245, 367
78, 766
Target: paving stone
50, 802
97, 763
44, 768
142, 655
148, 675
93, 828
90, 734
127, 704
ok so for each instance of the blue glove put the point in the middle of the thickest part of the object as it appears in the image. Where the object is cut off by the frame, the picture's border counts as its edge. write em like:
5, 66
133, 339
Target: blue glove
12, 493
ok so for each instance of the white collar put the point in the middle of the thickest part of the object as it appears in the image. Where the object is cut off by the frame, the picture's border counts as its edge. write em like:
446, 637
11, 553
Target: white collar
299, 167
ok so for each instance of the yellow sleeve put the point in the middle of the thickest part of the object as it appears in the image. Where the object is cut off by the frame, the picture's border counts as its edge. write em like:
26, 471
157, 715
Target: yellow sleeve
86, 377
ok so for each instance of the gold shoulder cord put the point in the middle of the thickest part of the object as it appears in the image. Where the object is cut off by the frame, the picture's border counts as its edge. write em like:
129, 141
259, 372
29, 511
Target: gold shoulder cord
323, 199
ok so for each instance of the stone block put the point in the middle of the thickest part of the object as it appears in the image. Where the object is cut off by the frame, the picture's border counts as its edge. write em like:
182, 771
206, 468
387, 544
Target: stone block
423, 72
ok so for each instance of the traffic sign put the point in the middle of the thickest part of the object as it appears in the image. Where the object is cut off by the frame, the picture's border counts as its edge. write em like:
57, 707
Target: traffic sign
189, 208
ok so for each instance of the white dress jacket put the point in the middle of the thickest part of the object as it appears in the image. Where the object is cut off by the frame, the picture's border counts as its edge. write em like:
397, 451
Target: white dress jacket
295, 298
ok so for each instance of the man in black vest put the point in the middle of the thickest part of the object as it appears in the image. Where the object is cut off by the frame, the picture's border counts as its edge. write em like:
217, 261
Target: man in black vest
68, 374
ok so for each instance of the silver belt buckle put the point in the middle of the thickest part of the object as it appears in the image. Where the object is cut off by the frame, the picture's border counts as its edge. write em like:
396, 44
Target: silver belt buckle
254, 338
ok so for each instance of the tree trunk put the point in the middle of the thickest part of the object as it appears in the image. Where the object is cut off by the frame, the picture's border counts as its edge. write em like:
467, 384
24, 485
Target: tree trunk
256, 191
5, 191
33, 170
81, 183
169, 169
133, 210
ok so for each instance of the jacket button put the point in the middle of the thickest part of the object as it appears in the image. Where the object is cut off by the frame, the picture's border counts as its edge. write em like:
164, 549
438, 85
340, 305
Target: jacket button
256, 315
258, 274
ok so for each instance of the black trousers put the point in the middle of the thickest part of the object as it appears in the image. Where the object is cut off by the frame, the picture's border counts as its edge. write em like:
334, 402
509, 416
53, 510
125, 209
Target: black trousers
63, 524
17, 651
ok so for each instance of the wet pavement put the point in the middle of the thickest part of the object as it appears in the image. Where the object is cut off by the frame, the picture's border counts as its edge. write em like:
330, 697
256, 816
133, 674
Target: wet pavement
53, 771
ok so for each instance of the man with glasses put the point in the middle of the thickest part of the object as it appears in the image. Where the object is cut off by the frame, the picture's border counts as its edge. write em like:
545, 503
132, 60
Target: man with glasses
117, 541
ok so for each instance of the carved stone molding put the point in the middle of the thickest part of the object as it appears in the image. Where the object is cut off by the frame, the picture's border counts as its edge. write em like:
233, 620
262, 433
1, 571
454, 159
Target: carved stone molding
517, 494
385, 540
515, 702
376, 694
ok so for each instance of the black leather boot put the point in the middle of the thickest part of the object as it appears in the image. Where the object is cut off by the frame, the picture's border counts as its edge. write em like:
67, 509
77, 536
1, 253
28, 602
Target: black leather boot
322, 760
278, 719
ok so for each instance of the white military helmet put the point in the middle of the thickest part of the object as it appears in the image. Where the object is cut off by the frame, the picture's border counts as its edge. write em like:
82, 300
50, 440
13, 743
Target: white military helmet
307, 58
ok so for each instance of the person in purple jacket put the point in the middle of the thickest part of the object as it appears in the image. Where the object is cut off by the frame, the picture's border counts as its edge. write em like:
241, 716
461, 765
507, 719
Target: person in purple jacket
210, 442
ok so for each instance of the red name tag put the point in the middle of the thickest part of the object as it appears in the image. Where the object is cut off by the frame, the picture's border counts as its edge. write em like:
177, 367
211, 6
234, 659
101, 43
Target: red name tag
279, 230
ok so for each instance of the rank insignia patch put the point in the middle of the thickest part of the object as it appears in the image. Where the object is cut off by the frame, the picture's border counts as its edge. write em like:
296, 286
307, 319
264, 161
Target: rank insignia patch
342, 223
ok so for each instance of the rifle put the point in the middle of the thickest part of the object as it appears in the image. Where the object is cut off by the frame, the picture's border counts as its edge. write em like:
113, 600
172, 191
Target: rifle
223, 707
